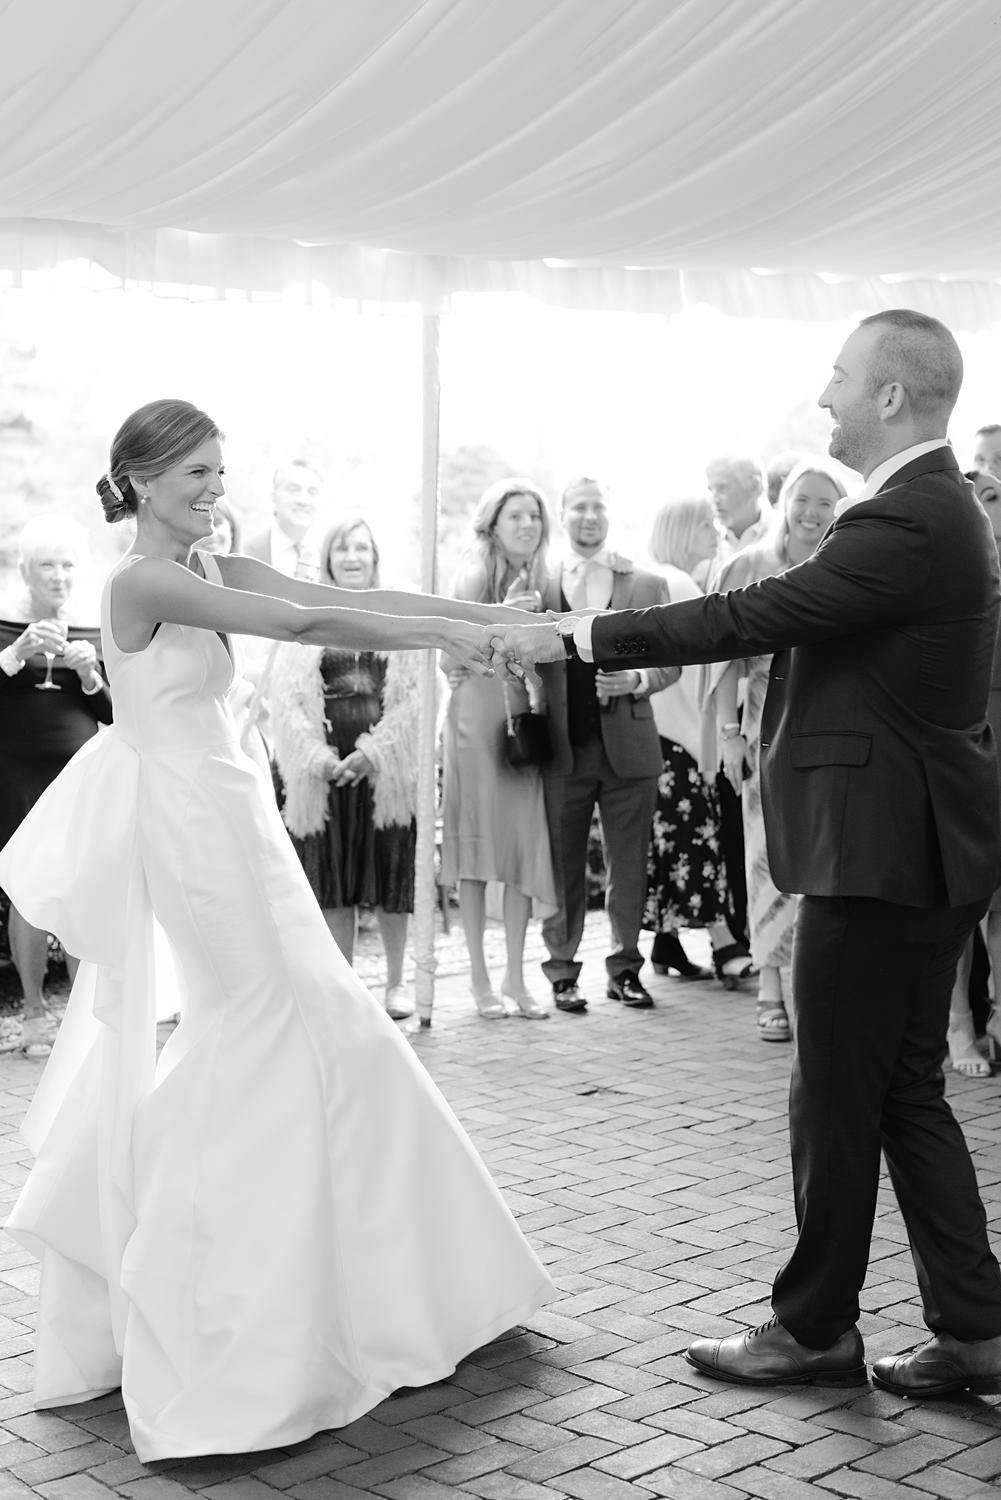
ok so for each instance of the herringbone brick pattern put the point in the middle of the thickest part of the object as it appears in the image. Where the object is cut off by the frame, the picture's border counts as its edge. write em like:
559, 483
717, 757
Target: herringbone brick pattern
645, 1154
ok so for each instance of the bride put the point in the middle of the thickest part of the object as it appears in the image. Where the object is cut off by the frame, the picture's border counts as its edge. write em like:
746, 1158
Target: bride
276, 1223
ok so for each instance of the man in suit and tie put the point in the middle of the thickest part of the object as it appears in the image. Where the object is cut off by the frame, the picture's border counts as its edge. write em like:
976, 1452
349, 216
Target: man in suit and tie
295, 498
881, 808
607, 753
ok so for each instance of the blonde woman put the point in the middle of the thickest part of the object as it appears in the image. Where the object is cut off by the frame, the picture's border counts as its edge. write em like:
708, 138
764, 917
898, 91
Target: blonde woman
805, 509
494, 815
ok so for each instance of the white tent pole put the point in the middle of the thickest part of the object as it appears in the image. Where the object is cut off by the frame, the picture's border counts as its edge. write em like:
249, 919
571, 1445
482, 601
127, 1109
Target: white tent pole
425, 889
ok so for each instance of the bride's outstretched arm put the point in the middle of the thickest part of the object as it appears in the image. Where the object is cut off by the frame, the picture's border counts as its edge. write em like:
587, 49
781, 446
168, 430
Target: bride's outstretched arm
158, 590
248, 573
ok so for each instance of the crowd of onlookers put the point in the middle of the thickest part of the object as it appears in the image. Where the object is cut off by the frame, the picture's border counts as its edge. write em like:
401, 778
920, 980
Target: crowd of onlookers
668, 760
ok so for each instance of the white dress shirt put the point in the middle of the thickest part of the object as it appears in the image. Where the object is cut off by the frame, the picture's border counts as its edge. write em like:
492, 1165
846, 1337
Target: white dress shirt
284, 551
598, 575
882, 472
730, 544
600, 578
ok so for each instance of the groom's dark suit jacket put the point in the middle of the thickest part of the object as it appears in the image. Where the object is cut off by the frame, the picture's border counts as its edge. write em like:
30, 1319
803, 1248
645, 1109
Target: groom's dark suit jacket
878, 772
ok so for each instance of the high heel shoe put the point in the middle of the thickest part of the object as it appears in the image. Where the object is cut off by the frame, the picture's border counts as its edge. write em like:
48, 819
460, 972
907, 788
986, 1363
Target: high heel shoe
489, 1006
668, 954
527, 1004
965, 1058
398, 1002
733, 964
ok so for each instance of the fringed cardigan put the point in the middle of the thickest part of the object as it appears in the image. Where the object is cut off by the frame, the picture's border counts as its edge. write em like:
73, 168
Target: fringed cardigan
300, 741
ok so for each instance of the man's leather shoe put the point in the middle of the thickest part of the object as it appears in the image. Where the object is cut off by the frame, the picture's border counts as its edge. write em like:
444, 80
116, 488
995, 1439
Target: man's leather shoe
769, 1355
941, 1366
627, 988
566, 995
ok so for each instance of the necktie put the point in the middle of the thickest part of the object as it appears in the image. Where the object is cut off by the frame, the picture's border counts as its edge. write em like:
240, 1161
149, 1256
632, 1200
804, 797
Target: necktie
307, 565
578, 595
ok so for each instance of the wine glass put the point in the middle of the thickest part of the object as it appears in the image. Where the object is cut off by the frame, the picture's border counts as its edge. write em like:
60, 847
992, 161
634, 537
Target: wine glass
47, 685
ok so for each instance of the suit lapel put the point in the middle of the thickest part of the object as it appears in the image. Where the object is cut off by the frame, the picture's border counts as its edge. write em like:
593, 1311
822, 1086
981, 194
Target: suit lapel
622, 590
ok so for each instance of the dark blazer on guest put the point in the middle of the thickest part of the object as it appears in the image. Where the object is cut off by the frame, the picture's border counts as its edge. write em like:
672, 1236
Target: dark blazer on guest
628, 731
878, 765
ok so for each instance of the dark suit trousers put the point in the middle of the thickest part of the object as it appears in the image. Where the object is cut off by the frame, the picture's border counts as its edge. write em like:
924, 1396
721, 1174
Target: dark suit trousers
626, 809
871, 983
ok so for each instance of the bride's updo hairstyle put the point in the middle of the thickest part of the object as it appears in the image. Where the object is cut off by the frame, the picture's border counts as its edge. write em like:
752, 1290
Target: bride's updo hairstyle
149, 442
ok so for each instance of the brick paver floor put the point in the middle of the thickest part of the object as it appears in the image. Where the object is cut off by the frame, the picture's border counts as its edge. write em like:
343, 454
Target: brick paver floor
645, 1155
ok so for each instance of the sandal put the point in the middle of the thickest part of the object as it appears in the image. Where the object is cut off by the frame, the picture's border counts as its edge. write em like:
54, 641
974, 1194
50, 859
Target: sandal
488, 1005
33, 1037
773, 1022
965, 1058
527, 1004
732, 963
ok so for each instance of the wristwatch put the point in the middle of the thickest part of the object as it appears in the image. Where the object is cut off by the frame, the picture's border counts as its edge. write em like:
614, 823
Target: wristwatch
565, 630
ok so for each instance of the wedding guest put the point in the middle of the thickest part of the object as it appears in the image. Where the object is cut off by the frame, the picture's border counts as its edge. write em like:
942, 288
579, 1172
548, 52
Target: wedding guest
494, 814
736, 488
296, 489
288, 545
40, 730
804, 512
344, 744
737, 491
686, 874
266, 1231
987, 454
607, 756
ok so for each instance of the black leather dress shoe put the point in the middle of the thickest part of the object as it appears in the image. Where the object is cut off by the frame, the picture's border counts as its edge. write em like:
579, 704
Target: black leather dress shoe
769, 1355
942, 1366
566, 995
627, 988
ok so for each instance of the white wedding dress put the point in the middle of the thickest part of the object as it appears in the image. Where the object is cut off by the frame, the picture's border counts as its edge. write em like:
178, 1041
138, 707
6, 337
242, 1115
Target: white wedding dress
280, 1221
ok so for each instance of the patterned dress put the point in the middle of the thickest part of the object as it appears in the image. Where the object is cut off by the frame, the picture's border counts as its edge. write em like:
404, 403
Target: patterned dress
686, 878
686, 874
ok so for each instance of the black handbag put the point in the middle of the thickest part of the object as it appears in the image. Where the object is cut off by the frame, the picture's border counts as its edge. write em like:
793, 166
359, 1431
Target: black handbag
525, 739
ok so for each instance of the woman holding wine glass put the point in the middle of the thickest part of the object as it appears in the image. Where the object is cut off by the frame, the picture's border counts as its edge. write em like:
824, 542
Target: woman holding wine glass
494, 814
52, 698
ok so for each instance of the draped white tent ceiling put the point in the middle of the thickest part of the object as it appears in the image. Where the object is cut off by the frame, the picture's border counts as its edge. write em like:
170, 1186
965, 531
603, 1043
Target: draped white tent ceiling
790, 157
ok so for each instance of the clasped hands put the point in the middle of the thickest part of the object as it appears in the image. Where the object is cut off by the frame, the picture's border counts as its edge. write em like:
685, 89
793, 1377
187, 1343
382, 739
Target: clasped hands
513, 651
505, 650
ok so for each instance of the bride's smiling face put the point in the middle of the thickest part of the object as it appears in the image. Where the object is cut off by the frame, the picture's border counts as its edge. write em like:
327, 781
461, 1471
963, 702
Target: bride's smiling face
182, 498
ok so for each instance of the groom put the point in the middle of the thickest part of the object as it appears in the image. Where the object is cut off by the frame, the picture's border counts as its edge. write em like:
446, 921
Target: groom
881, 809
